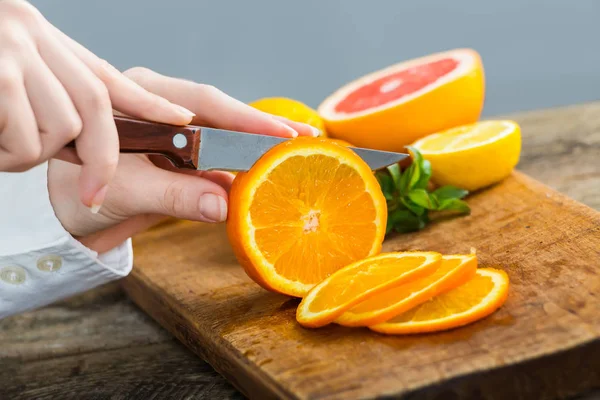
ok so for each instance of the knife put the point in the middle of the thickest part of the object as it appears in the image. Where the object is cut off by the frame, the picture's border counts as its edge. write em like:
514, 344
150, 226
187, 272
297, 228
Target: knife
205, 149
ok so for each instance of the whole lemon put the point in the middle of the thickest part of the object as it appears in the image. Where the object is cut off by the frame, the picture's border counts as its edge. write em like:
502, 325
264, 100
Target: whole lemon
291, 109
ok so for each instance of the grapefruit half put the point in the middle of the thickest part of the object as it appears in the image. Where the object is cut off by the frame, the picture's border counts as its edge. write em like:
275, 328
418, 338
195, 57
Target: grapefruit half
393, 107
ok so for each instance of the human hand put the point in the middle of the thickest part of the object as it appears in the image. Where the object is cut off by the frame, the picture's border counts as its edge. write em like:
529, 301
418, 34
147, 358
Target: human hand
53, 90
146, 189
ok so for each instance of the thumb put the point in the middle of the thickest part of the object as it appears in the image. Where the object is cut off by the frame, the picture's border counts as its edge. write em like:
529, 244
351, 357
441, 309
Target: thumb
184, 196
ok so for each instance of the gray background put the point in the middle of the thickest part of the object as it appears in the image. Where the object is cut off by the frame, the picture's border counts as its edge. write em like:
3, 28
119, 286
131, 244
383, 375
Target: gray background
537, 53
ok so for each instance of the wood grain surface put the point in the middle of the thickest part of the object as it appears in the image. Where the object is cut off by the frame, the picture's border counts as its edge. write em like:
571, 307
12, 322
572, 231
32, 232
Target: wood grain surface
187, 278
99, 345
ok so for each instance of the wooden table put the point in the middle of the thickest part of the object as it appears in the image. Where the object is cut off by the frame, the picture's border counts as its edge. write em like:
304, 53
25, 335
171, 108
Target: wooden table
100, 345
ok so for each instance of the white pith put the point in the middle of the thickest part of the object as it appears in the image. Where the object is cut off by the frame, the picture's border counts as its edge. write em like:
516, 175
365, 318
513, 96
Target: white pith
311, 221
432, 284
307, 314
465, 57
509, 128
498, 286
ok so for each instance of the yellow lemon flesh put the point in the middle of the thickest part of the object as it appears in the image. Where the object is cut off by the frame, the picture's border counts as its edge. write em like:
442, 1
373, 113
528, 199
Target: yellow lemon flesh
473, 156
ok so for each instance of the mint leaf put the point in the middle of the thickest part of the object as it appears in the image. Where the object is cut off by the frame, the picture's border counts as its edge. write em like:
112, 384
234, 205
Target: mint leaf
420, 178
394, 171
416, 155
415, 175
399, 217
387, 185
450, 192
403, 184
415, 208
422, 198
408, 199
425, 175
454, 205
412, 223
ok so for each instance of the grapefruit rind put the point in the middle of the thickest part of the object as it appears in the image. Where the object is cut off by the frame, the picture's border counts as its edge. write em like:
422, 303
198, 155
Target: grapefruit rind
452, 100
467, 61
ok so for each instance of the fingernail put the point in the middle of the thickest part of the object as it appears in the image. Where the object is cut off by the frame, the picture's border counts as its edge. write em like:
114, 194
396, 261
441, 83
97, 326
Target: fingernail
213, 207
184, 111
288, 128
98, 199
315, 131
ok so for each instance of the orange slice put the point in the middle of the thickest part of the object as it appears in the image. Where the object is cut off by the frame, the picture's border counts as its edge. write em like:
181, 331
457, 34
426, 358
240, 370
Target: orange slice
453, 271
361, 280
307, 208
473, 300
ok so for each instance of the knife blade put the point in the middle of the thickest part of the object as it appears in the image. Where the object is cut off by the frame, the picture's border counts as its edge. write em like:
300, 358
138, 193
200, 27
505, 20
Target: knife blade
205, 149
238, 151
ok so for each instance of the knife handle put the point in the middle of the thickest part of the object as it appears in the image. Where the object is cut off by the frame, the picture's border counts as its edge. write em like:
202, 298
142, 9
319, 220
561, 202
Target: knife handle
180, 144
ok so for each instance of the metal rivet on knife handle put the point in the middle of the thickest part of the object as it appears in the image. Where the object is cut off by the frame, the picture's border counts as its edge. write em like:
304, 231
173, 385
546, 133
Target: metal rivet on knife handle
179, 140
178, 143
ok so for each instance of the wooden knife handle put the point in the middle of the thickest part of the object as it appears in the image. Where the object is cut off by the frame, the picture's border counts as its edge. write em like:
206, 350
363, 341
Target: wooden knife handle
180, 144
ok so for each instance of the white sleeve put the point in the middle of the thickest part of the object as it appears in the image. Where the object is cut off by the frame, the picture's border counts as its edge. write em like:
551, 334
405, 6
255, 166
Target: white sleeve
40, 262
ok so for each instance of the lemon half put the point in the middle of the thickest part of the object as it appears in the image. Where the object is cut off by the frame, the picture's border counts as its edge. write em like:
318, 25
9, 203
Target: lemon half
473, 156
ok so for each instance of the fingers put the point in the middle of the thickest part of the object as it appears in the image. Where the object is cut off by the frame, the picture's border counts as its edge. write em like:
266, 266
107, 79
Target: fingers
221, 178
20, 146
302, 129
182, 196
98, 143
57, 119
113, 236
126, 95
212, 106
69, 155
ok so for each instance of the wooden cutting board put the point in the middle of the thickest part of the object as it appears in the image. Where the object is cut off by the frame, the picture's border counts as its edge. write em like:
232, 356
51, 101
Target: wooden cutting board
543, 344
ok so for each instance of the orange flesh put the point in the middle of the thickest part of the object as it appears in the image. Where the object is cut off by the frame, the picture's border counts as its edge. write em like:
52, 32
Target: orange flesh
395, 86
310, 226
455, 301
362, 278
392, 296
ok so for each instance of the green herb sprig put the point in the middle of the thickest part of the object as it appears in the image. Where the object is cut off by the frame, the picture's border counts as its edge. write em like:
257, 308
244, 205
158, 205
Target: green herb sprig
408, 199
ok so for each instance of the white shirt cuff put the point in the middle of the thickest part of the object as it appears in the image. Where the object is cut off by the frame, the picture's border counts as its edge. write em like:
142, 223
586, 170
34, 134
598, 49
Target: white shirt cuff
40, 262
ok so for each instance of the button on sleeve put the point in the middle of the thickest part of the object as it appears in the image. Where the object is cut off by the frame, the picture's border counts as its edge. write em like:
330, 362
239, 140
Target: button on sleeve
40, 262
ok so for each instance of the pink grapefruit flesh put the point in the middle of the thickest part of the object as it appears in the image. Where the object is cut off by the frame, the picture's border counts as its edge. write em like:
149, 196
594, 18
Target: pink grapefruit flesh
395, 86
397, 105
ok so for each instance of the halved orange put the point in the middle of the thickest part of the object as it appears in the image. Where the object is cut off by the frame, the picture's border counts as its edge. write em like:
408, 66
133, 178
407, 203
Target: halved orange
467, 303
453, 271
307, 208
391, 108
361, 280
